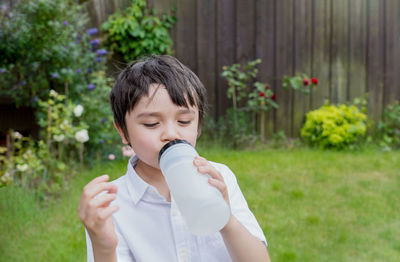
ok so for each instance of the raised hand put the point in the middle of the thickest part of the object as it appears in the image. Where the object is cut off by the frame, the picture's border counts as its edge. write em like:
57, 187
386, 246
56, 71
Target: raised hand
96, 214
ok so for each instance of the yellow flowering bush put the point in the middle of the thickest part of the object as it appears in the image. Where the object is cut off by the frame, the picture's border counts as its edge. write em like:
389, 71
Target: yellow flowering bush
334, 126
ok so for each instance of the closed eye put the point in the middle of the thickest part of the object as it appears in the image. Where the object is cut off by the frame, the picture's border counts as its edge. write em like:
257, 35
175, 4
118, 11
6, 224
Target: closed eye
150, 125
184, 122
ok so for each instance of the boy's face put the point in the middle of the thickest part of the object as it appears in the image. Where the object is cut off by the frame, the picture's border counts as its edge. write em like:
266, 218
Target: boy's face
156, 120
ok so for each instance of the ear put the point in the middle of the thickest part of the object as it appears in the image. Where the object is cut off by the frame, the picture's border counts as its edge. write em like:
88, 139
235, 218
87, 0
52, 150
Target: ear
199, 131
121, 134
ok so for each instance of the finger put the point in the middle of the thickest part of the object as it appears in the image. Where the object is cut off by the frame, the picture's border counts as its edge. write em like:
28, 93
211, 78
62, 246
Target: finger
107, 212
210, 170
103, 200
221, 187
90, 191
102, 178
200, 161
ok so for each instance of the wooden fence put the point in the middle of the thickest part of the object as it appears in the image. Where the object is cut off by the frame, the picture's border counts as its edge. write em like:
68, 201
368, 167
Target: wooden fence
351, 46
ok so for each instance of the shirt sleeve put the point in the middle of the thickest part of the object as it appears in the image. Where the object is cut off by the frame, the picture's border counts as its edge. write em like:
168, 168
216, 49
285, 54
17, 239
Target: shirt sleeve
239, 206
89, 248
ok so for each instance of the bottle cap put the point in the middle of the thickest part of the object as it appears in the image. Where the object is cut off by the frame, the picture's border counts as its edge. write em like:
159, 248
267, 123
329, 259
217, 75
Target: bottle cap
169, 144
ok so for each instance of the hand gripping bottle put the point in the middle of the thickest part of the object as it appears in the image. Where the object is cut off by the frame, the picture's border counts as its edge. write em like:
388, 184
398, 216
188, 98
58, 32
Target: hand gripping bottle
202, 205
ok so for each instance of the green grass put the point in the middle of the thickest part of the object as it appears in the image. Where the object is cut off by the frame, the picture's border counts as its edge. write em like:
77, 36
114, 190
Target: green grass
312, 205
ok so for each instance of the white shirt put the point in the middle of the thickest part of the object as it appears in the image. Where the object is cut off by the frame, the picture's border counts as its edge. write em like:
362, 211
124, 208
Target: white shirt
151, 229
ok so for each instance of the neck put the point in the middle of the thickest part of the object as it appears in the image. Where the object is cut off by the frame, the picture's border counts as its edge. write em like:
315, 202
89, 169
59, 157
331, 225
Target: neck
149, 174
154, 177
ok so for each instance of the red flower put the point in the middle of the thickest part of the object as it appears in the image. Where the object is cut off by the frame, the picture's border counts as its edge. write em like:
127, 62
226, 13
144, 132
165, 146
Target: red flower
261, 94
273, 97
306, 81
314, 80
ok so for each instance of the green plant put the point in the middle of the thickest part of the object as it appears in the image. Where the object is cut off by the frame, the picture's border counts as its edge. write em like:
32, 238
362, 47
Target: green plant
239, 78
138, 31
300, 82
98, 113
389, 128
5, 176
41, 165
63, 128
25, 164
44, 45
334, 126
260, 100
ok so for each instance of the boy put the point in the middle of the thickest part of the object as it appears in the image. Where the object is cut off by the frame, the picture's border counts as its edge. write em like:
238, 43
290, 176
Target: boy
154, 101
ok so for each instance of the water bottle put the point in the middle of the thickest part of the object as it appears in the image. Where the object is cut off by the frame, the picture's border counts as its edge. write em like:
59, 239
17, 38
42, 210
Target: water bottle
202, 205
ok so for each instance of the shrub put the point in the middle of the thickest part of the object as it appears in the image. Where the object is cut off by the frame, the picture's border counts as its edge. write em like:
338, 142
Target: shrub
138, 31
332, 126
42, 165
389, 127
44, 45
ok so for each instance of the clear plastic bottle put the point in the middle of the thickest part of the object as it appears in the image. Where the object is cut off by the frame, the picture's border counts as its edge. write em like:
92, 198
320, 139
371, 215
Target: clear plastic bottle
202, 205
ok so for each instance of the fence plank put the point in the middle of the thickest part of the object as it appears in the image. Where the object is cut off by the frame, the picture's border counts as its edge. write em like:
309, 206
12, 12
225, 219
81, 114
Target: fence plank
99, 10
375, 59
284, 51
206, 57
357, 51
392, 55
339, 52
225, 50
245, 24
186, 33
302, 58
321, 51
265, 51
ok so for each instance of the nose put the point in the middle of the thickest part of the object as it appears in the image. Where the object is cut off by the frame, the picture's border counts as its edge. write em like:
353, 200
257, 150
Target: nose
169, 132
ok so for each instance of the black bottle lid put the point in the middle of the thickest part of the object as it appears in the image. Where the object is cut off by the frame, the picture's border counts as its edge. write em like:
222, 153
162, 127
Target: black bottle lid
169, 144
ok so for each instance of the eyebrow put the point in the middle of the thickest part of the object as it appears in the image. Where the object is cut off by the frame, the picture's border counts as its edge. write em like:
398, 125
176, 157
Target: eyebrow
155, 114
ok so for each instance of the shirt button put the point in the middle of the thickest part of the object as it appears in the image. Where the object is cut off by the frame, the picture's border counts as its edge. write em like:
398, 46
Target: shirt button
183, 255
174, 212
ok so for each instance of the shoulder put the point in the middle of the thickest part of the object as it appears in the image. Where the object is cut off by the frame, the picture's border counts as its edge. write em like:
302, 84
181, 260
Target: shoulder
122, 189
119, 181
226, 172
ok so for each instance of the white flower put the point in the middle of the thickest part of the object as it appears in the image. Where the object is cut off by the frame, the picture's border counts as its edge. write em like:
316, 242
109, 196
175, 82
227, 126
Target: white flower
78, 110
53, 93
5, 178
59, 138
82, 136
22, 168
64, 125
17, 135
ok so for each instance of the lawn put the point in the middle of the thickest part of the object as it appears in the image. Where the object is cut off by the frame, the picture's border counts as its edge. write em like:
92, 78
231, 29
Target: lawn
312, 205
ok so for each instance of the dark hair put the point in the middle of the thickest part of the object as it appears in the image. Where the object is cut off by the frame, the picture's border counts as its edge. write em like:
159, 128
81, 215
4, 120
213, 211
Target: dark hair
133, 82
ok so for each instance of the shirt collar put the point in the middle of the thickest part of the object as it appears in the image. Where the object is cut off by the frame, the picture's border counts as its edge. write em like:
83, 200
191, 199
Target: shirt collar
136, 186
